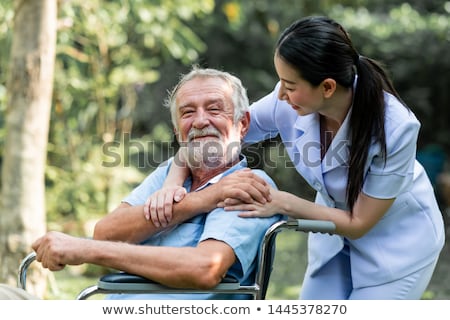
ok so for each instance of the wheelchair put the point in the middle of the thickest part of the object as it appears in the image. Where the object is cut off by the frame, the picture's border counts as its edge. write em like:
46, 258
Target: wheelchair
123, 283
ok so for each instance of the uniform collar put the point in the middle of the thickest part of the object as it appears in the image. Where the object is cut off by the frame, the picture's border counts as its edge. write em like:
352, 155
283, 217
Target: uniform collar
339, 151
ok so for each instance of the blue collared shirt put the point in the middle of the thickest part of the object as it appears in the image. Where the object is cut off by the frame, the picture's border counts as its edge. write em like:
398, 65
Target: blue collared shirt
243, 235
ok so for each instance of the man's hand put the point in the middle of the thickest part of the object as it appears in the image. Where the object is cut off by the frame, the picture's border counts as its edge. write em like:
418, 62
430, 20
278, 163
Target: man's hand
55, 250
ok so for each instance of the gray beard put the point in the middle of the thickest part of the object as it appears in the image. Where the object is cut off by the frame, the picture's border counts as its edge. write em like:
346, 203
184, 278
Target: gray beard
205, 155
210, 154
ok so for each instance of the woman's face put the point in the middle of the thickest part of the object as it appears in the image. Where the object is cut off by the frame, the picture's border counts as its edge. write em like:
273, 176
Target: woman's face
300, 94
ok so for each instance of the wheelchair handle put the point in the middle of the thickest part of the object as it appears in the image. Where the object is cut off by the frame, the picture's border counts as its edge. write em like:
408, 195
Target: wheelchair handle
23, 268
315, 226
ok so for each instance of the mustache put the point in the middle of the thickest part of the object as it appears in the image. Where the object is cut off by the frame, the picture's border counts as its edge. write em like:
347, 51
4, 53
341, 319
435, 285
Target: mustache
208, 131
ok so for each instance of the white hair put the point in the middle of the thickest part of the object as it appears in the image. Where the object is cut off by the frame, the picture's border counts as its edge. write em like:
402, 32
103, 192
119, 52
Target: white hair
239, 96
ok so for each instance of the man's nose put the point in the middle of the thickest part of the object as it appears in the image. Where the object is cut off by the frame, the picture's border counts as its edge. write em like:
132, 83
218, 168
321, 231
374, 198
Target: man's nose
201, 119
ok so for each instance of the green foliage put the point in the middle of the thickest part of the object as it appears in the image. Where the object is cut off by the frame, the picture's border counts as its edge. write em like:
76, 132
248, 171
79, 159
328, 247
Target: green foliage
106, 52
289, 266
414, 47
88, 191
106, 49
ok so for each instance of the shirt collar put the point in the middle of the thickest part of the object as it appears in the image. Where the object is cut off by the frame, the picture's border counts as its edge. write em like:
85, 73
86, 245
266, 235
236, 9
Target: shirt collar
240, 165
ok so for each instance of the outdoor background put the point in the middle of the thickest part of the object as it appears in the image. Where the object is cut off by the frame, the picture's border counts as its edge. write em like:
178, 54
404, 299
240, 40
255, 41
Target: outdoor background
115, 61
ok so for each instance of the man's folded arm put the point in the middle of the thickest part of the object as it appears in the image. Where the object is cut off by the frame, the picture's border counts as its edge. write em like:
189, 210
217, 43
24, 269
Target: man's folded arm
127, 223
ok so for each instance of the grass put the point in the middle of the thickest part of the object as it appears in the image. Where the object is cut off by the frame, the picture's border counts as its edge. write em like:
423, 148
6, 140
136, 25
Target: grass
65, 285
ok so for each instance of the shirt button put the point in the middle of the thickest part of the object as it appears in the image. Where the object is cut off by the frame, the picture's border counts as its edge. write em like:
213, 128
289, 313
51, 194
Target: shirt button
317, 186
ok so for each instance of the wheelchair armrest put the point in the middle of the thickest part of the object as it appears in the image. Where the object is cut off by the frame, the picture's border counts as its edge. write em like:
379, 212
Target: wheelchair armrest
131, 282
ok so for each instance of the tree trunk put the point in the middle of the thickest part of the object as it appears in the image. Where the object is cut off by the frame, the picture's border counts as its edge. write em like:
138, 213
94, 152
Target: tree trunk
29, 97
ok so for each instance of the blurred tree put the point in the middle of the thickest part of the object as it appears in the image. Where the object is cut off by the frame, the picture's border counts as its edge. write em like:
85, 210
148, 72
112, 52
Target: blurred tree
6, 17
27, 120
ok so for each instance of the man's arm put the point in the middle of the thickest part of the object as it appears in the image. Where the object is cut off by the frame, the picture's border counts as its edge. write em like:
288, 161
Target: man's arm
199, 267
127, 223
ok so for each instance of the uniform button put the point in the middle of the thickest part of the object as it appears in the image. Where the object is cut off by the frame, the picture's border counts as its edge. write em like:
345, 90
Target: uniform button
318, 186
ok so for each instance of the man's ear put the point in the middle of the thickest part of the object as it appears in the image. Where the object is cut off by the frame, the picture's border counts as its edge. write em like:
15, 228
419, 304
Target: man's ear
245, 124
328, 87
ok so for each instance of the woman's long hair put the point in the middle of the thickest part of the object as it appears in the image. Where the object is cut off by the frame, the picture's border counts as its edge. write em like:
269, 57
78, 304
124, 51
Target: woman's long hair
320, 48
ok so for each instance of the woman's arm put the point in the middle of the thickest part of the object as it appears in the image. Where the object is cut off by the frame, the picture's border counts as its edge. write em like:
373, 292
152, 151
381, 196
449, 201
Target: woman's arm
366, 212
158, 206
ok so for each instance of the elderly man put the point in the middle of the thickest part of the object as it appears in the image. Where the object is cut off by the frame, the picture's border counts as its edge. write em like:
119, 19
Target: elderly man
209, 113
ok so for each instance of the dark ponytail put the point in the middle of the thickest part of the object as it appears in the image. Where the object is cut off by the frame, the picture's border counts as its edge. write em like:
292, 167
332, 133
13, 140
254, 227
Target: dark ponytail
320, 48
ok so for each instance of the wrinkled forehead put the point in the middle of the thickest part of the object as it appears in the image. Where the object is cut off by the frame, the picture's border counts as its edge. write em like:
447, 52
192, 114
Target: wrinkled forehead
203, 88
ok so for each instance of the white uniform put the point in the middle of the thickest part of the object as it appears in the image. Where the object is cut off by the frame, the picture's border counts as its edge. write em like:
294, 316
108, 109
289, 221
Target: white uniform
411, 234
